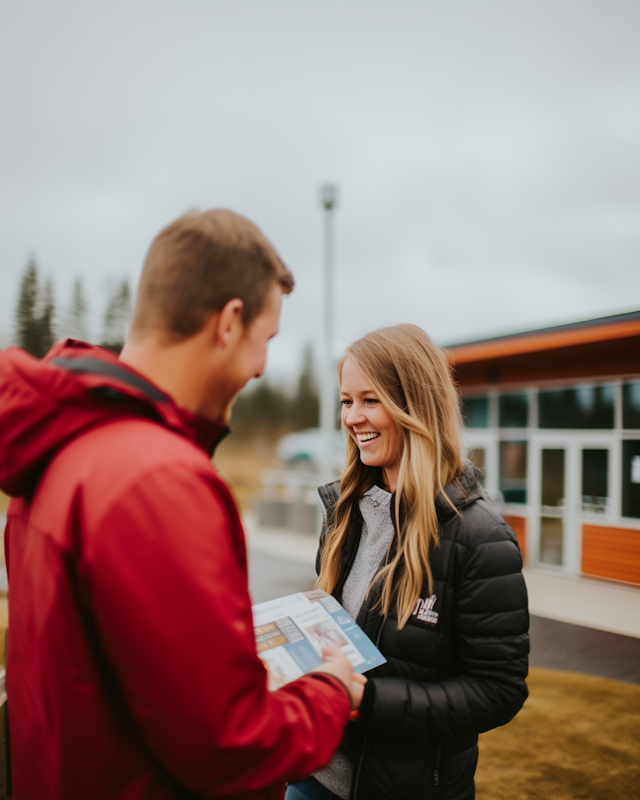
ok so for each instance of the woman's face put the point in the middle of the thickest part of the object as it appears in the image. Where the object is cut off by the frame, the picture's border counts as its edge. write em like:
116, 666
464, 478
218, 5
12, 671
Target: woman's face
369, 423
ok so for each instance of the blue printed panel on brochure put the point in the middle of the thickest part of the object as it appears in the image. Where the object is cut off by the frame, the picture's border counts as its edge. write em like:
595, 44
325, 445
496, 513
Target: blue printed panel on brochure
372, 656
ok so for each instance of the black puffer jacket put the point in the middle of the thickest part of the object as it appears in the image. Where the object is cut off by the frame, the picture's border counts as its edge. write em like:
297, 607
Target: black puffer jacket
456, 669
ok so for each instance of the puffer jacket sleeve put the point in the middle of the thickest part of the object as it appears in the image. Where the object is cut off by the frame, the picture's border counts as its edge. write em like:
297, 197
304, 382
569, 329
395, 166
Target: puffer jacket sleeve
491, 623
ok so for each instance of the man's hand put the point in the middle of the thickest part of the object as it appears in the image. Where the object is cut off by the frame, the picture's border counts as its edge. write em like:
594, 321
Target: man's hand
335, 663
357, 689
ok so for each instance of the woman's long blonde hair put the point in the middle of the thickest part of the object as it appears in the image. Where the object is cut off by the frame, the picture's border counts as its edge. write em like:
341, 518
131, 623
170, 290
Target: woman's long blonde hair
412, 379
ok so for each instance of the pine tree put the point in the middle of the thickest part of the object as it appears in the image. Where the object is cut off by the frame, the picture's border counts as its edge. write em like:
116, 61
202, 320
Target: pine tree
306, 404
116, 318
35, 313
46, 318
27, 332
75, 325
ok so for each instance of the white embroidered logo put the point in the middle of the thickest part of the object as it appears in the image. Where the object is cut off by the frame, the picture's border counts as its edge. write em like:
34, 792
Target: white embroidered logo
424, 612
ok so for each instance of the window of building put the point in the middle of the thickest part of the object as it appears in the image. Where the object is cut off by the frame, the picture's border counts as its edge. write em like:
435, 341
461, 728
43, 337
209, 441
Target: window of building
552, 501
631, 405
552, 488
513, 471
513, 411
595, 481
631, 479
587, 406
475, 412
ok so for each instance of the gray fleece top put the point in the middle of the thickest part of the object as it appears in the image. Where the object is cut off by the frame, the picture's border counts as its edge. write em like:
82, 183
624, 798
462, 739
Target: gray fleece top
377, 535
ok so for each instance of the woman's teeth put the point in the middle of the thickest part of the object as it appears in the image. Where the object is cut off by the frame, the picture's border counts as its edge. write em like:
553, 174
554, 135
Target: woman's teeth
365, 437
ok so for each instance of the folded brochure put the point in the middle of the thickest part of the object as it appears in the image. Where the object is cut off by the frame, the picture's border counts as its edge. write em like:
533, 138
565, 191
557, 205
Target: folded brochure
291, 632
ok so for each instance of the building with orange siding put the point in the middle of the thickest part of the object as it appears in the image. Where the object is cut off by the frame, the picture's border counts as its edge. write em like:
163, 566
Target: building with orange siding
553, 419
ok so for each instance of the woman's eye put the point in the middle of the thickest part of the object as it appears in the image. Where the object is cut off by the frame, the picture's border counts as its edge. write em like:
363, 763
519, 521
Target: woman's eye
370, 401
346, 402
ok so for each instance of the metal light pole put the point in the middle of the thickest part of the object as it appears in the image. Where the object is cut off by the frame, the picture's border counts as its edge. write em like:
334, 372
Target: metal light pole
328, 387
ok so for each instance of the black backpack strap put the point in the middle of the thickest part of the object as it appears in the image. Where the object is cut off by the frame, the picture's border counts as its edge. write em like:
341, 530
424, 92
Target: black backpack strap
95, 366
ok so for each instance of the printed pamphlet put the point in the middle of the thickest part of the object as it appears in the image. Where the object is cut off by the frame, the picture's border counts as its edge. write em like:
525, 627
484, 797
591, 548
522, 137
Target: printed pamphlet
291, 632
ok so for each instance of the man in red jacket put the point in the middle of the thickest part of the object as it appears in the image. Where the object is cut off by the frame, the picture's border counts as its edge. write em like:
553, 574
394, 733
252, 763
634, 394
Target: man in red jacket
132, 671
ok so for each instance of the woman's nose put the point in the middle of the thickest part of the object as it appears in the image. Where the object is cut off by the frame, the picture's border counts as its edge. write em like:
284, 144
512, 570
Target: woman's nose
354, 416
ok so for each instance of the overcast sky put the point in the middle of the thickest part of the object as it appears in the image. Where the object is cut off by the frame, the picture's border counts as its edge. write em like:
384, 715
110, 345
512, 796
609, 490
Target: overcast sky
488, 153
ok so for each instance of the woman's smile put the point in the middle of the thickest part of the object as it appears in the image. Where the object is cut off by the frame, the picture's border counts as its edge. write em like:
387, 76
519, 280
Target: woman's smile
365, 439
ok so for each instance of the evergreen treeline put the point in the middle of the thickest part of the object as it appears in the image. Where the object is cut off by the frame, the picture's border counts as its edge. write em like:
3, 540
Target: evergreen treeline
261, 410
38, 325
267, 411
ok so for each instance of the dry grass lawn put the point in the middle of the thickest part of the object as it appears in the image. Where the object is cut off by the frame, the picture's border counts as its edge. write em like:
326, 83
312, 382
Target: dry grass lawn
577, 737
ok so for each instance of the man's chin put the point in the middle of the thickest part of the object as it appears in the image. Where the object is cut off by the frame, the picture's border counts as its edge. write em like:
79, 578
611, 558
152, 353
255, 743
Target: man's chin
226, 413
217, 414
219, 408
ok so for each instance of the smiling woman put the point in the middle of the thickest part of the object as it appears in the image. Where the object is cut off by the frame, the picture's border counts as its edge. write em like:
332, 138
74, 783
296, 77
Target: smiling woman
413, 549
399, 393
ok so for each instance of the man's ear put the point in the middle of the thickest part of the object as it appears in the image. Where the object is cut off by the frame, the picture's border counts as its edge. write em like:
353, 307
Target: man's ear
227, 325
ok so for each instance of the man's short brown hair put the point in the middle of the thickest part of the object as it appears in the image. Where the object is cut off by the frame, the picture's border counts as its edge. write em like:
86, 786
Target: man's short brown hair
196, 265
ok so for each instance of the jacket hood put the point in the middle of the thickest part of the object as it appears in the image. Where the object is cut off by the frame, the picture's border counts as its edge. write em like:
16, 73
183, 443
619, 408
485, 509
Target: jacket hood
76, 386
462, 491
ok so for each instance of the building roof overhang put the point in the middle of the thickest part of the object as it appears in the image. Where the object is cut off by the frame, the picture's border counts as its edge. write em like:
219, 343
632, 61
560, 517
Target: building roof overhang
609, 345
620, 326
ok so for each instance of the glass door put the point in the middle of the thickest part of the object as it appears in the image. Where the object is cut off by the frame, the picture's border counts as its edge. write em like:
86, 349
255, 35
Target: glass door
574, 480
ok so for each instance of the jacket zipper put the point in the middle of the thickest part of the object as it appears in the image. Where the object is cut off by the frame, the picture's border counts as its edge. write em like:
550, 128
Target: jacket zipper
366, 735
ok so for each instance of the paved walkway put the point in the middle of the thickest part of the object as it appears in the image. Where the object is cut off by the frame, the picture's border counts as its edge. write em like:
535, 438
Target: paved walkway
576, 648
282, 562
584, 601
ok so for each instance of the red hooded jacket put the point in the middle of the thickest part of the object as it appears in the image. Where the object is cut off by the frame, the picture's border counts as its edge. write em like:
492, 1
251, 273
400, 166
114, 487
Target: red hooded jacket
132, 670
